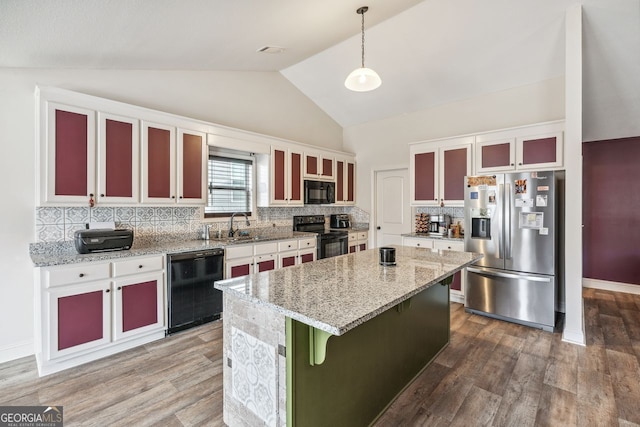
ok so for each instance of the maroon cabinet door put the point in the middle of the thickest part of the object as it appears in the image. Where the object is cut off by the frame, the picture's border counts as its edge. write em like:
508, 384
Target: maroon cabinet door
266, 265
351, 172
119, 159
71, 151
296, 177
425, 176
80, 319
339, 181
159, 163
540, 150
457, 281
192, 173
455, 169
139, 305
327, 167
306, 258
240, 270
279, 184
288, 261
496, 155
312, 165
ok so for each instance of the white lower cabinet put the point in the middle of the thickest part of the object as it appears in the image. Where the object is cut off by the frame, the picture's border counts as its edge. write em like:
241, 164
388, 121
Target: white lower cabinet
358, 241
457, 286
91, 310
241, 260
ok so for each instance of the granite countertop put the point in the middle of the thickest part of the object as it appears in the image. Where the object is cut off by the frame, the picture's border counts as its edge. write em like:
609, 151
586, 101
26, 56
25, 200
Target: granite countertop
339, 293
49, 255
436, 237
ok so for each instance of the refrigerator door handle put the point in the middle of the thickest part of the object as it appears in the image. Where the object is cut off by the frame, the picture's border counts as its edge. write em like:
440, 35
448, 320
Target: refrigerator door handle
509, 275
500, 256
507, 222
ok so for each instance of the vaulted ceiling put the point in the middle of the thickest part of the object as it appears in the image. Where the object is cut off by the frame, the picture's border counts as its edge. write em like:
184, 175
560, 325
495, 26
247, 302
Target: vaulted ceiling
427, 52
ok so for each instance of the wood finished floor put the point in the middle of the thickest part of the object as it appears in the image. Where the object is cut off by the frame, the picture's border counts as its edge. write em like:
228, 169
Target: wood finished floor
493, 373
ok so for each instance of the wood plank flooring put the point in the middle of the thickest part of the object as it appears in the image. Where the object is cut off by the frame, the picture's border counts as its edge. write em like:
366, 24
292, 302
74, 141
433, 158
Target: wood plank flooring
493, 373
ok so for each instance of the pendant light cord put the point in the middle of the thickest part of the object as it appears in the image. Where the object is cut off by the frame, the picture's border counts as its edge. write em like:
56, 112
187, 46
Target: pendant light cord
363, 37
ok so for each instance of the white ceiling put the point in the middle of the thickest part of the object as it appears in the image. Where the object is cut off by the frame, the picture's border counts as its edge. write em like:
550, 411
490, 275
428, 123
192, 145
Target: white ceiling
427, 52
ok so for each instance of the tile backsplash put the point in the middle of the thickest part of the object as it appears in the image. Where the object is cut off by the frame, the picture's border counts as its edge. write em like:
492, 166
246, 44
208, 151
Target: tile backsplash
58, 224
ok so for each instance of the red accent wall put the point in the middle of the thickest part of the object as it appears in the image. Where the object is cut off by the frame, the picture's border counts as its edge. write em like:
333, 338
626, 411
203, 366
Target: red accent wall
71, 154
158, 163
119, 148
455, 168
611, 210
191, 166
425, 167
496, 155
79, 319
139, 305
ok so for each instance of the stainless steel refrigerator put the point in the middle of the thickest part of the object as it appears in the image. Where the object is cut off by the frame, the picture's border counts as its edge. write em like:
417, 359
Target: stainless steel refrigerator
513, 219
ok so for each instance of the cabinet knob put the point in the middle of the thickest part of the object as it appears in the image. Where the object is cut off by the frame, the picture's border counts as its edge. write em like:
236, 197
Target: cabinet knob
520, 164
119, 287
511, 164
101, 195
108, 290
378, 228
417, 244
140, 266
173, 197
81, 275
181, 197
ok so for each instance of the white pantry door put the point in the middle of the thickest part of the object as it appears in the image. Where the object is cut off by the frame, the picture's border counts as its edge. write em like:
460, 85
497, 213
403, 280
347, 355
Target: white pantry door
393, 213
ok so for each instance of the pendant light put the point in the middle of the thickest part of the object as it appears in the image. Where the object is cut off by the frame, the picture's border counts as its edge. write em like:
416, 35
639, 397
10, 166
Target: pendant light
362, 79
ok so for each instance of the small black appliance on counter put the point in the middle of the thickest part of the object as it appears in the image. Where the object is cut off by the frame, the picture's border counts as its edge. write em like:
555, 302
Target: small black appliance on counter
102, 240
339, 221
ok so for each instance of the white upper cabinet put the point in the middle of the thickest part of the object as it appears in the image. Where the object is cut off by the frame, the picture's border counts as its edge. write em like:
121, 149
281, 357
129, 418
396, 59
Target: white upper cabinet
533, 147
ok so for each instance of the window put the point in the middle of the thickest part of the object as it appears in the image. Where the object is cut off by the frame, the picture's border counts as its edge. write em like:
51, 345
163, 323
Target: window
230, 186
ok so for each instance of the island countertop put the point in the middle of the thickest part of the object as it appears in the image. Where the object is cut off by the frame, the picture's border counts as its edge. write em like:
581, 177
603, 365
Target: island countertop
337, 294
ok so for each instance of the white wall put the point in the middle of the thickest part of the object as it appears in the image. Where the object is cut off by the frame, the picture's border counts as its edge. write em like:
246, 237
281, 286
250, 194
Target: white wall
383, 143
261, 102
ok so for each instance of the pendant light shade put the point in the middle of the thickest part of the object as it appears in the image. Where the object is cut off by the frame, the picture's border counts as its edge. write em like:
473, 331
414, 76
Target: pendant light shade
362, 79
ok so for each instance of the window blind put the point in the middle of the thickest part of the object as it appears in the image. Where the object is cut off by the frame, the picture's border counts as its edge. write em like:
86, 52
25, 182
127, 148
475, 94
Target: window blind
230, 186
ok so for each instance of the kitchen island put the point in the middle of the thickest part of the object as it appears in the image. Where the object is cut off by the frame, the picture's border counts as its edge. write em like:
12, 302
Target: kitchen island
333, 342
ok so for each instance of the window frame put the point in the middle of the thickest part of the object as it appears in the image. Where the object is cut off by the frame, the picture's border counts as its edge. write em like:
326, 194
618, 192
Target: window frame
237, 155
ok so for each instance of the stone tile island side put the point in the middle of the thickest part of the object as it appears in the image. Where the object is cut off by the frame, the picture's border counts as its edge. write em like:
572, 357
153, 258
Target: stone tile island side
334, 341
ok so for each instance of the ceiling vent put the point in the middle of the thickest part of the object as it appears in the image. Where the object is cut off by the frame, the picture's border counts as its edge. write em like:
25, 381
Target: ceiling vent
271, 49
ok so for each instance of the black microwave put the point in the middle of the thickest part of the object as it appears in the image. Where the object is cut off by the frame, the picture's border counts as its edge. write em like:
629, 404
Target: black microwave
319, 192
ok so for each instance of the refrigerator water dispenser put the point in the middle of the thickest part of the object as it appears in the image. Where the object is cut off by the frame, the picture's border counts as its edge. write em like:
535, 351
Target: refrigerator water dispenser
481, 228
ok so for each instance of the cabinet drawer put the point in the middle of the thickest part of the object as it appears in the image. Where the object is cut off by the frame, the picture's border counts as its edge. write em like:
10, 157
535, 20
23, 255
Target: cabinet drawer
307, 243
448, 245
56, 276
138, 265
417, 242
266, 248
353, 236
241, 251
287, 245
363, 235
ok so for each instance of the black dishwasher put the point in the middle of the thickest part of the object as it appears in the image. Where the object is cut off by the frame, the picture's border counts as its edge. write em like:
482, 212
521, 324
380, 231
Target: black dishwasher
191, 297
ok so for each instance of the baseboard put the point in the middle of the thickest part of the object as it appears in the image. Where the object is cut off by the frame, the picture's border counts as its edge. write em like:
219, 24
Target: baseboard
573, 337
16, 351
611, 286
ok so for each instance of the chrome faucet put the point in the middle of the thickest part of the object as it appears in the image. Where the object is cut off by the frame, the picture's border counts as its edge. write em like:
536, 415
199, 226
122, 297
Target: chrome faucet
231, 232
